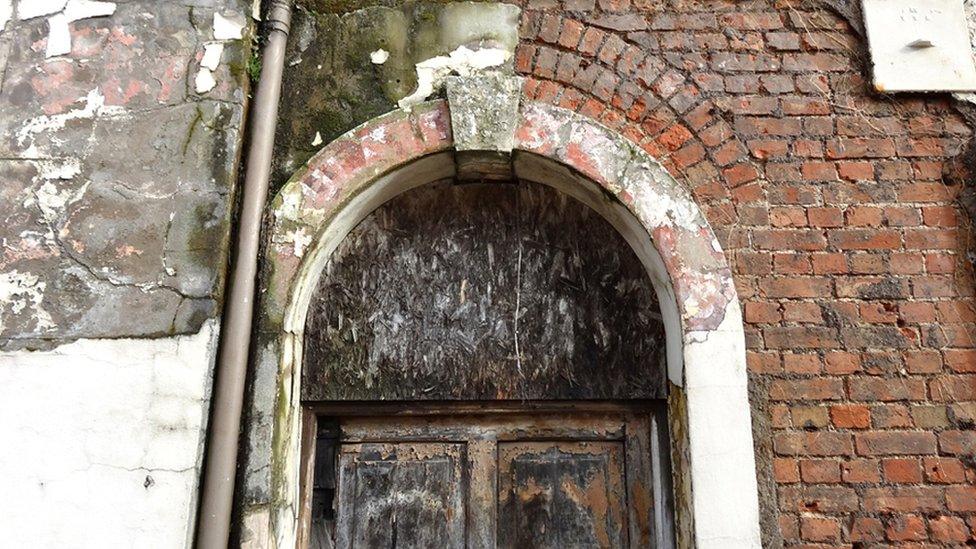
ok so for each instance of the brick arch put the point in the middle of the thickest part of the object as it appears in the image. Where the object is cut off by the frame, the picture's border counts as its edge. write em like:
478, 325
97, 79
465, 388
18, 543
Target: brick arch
683, 146
354, 174
664, 108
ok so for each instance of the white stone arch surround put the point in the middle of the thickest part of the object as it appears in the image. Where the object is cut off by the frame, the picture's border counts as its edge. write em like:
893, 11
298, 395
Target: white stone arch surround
715, 478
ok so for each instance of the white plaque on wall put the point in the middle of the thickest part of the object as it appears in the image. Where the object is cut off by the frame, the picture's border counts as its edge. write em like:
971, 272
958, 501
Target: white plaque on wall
919, 45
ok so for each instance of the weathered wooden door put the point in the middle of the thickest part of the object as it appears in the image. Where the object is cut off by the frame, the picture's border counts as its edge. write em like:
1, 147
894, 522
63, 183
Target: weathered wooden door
547, 481
401, 495
561, 494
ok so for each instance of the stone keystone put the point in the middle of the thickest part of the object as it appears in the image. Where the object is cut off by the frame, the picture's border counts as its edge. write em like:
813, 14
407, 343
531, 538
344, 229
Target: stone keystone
484, 111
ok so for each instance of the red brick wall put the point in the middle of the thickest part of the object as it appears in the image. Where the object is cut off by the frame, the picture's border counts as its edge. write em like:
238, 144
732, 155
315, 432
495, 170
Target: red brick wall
847, 241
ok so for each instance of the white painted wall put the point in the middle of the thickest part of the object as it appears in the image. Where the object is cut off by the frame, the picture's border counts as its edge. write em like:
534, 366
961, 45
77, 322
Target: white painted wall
101, 441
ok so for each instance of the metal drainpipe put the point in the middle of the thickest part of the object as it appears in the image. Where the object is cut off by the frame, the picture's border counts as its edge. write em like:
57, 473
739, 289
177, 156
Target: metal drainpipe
217, 496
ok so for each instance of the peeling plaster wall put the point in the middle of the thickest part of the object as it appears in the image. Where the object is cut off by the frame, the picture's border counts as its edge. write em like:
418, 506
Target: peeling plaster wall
118, 165
120, 135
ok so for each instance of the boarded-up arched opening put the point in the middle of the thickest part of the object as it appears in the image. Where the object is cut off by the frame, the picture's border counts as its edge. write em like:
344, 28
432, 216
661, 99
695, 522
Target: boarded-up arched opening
479, 292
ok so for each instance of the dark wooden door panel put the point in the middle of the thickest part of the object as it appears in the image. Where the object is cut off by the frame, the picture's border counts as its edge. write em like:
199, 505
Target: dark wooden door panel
559, 495
404, 495
520, 480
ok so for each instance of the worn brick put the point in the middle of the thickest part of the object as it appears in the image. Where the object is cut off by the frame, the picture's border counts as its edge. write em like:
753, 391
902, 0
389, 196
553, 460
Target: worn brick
886, 389
949, 530
961, 498
820, 529
942, 470
906, 528
850, 416
862, 239
894, 443
807, 389
903, 499
957, 442
818, 443
820, 471
785, 470
800, 337
858, 471
902, 471
866, 529
818, 499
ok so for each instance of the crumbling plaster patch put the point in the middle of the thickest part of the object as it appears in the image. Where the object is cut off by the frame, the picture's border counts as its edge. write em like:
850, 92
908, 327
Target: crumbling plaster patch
23, 292
65, 233
60, 14
204, 81
106, 439
225, 28
94, 106
37, 8
228, 26
462, 61
211, 55
379, 56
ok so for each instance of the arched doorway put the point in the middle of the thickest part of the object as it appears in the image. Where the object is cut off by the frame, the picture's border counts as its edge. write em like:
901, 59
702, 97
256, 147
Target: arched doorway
481, 354
707, 406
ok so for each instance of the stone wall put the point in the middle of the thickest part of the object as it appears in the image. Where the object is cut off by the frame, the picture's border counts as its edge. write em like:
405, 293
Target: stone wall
121, 125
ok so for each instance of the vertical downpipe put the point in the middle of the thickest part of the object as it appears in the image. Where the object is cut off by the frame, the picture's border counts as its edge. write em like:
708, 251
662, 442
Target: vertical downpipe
220, 467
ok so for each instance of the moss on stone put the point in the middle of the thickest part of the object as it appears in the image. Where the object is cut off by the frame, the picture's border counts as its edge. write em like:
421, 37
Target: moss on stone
331, 84
280, 440
197, 119
202, 240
